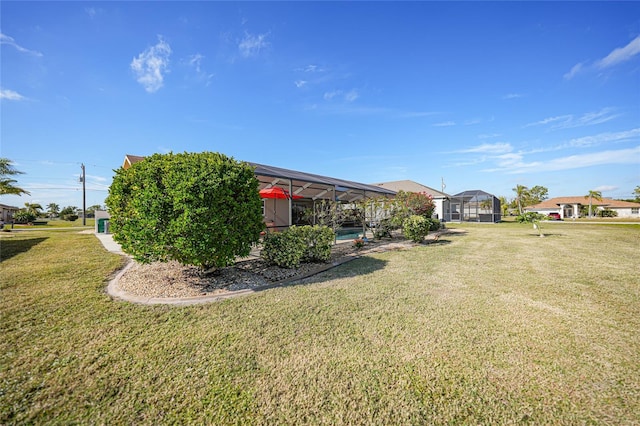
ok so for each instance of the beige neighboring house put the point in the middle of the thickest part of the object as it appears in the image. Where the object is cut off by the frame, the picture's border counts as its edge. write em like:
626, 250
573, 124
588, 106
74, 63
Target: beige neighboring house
7, 213
440, 199
569, 207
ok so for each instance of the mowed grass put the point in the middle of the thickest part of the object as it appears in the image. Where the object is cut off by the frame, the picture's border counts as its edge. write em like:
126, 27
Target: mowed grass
52, 223
493, 325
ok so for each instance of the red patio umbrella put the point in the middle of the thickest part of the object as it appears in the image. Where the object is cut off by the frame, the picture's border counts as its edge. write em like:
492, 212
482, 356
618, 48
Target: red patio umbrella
277, 192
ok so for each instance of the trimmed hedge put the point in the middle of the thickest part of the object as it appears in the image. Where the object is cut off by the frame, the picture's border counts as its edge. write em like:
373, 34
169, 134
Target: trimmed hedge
298, 244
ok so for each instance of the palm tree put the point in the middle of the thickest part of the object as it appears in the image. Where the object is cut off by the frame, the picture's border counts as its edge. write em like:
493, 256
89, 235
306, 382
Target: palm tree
53, 209
504, 205
33, 208
521, 193
6, 184
593, 195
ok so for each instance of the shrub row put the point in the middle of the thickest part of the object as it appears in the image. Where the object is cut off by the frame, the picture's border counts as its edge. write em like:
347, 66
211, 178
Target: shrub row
298, 244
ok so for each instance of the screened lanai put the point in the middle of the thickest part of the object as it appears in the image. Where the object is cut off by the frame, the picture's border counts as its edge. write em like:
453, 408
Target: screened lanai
474, 206
304, 190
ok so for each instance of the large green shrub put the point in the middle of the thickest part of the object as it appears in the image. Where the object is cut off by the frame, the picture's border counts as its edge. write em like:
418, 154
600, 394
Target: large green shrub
297, 244
416, 228
201, 209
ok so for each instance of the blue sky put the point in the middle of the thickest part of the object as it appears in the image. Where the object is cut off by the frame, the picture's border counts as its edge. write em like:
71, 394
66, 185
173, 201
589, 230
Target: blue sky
481, 95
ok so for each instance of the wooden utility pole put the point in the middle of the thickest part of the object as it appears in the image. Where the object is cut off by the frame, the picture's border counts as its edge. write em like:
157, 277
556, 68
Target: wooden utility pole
84, 197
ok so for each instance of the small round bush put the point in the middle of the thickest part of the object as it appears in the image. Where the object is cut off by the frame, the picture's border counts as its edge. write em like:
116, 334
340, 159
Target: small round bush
415, 228
285, 249
434, 224
318, 240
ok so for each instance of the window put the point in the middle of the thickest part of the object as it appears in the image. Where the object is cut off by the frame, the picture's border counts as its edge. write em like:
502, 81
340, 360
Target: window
635, 210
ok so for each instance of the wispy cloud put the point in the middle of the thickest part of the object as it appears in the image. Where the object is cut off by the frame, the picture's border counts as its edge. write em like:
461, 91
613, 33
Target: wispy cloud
5, 39
351, 95
621, 54
300, 83
573, 71
608, 137
515, 165
444, 124
330, 95
569, 121
605, 188
489, 148
512, 96
195, 62
311, 68
251, 44
488, 135
417, 114
93, 12
11, 95
150, 66
617, 56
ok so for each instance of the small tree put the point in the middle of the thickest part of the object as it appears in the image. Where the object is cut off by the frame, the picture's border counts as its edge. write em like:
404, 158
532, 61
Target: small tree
533, 218
201, 209
407, 204
53, 209
593, 195
327, 213
521, 193
34, 208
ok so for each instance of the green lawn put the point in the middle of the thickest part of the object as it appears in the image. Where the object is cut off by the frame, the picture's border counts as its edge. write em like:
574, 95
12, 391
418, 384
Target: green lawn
53, 223
490, 326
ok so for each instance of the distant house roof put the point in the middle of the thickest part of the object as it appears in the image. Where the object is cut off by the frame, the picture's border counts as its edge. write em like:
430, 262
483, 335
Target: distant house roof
411, 186
130, 160
553, 203
307, 185
473, 193
6, 207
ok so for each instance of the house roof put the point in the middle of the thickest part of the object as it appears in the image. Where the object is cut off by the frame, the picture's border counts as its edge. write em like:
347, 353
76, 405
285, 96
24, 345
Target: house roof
471, 194
307, 185
305, 182
6, 207
129, 160
411, 186
553, 203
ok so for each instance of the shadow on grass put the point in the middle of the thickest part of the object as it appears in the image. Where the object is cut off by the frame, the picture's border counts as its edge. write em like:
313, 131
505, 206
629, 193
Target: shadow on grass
438, 242
547, 234
11, 247
358, 267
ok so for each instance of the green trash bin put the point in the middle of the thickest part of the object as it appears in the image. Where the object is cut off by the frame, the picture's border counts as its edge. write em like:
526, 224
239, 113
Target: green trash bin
101, 225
